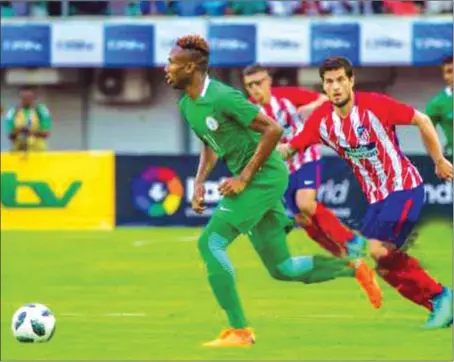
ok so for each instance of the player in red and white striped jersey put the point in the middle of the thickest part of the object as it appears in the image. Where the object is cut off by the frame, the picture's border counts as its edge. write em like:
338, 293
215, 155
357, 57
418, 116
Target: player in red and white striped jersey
286, 105
360, 127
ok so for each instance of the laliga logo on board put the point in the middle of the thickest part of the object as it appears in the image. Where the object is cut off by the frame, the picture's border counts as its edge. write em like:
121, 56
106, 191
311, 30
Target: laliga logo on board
157, 191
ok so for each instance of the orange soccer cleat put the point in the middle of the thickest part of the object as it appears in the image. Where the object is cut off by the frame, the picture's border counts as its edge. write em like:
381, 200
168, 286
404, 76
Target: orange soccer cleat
233, 338
366, 278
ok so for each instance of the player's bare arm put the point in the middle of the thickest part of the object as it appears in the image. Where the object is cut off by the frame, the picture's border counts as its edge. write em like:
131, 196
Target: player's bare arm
286, 150
207, 161
443, 168
271, 134
308, 108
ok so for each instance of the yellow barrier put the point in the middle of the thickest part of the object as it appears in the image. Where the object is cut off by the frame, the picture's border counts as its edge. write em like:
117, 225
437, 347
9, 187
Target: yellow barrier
57, 191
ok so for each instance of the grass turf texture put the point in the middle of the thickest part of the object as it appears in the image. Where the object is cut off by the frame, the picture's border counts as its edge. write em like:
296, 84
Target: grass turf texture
142, 294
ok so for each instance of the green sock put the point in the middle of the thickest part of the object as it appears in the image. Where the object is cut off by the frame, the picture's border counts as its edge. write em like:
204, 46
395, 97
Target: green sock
212, 245
328, 268
224, 289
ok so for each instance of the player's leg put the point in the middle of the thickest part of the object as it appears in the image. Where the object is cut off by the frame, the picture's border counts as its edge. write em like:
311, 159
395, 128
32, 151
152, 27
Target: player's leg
320, 223
213, 242
388, 225
269, 240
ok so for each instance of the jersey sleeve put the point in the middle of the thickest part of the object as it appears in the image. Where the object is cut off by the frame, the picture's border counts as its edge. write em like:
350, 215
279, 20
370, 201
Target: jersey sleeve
9, 120
45, 118
234, 104
309, 135
397, 113
432, 111
297, 95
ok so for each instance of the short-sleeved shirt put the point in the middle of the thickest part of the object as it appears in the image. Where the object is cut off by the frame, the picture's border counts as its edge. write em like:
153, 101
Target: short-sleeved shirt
37, 118
220, 117
282, 107
439, 109
366, 139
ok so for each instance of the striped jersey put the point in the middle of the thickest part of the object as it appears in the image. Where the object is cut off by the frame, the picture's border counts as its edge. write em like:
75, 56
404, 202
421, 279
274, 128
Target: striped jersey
283, 108
366, 139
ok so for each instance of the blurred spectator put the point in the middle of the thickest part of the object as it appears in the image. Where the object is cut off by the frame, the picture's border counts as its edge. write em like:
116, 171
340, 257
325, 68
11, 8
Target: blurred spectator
89, 7
375, 5
401, 7
223, 7
6, 9
28, 124
54, 8
189, 8
284, 8
439, 108
38, 9
169, 7
245, 7
215, 8
439, 7
341, 7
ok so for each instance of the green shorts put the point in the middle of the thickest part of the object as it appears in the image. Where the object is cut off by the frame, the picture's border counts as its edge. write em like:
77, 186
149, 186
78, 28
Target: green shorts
263, 196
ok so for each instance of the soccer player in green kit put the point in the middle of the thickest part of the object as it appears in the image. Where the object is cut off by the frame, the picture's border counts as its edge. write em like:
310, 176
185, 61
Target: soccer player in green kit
235, 131
439, 108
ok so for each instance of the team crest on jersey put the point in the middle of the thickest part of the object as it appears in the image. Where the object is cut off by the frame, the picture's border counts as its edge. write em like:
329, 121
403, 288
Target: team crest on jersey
212, 123
363, 135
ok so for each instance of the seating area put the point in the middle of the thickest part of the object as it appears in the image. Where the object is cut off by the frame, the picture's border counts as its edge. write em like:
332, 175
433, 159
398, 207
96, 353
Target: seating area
220, 8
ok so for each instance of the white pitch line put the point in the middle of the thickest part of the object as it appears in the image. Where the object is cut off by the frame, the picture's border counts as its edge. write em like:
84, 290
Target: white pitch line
187, 238
140, 243
347, 316
125, 315
312, 316
70, 314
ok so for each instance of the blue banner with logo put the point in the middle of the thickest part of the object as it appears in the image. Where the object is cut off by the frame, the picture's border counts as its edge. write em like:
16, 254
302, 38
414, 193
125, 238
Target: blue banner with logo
145, 42
157, 190
431, 42
154, 190
232, 44
25, 45
129, 46
329, 40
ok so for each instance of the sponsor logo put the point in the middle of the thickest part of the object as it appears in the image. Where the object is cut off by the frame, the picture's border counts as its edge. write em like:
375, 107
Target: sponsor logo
281, 44
22, 45
126, 45
333, 193
228, 44
39, 194
384, 42
439, 194
331, 43
75, 45
362, 152
429, 43
158, 191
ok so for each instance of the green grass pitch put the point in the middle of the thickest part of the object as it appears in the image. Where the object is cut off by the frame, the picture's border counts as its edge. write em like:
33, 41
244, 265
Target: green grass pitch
141, 294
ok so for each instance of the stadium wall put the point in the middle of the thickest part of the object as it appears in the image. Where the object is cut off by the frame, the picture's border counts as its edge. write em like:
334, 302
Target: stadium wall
157, 128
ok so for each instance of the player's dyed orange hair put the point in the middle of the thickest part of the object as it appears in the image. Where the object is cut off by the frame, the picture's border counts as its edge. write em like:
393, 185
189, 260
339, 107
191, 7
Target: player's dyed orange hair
198, 48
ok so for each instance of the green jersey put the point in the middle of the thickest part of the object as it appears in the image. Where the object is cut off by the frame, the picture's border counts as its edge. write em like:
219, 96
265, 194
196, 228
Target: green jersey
220, 117
439, 109
37, 118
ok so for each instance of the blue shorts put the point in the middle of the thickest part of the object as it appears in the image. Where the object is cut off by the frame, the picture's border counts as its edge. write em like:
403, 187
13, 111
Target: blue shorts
307, 177
393, 219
